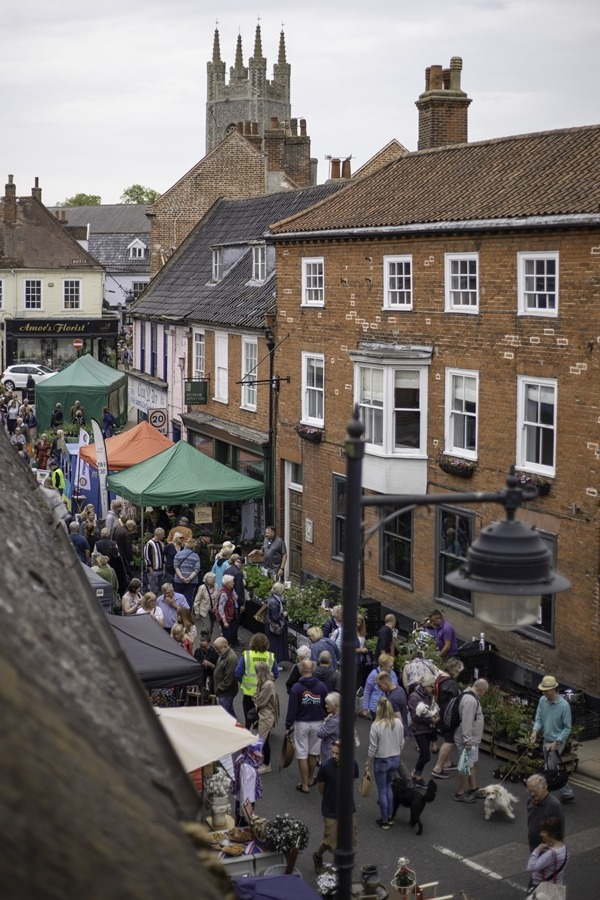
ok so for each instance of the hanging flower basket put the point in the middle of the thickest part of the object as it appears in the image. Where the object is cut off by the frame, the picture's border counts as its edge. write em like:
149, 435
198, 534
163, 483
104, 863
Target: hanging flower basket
453, 465
308, 433
541, 484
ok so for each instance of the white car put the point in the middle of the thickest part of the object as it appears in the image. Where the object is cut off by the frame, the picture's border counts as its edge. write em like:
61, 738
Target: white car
16, 376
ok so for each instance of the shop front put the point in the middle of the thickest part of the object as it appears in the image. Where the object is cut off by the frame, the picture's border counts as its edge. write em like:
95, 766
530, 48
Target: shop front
240, 448
58, 342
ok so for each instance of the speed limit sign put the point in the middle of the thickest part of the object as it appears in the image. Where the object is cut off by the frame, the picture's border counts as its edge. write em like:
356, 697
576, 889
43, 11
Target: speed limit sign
158, 419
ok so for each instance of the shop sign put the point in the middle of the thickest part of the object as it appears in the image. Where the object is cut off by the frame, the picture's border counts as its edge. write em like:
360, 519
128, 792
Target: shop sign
202, 515
145, 396
66, 327
196, 392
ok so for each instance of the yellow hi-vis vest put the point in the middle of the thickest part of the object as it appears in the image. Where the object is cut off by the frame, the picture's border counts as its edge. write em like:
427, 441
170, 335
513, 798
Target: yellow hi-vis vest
251, 657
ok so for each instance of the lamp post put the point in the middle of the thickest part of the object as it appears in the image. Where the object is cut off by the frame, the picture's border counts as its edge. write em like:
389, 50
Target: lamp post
508, 568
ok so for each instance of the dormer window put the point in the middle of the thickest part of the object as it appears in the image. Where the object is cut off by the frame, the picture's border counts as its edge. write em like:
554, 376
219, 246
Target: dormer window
137, 249
259, 262
217, 264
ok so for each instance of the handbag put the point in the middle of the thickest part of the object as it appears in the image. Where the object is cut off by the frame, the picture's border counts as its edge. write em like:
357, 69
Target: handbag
275, 628
261, 614
364, 786
358, 703
555, 778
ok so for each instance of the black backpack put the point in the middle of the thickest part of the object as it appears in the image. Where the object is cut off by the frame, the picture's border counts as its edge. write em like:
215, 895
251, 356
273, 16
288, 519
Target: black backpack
452, 711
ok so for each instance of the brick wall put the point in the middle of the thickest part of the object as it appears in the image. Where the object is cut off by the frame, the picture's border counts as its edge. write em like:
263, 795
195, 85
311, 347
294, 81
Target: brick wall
500, 345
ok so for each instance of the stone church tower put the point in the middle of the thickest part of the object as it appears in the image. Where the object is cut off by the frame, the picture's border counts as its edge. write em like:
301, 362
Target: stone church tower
250, 97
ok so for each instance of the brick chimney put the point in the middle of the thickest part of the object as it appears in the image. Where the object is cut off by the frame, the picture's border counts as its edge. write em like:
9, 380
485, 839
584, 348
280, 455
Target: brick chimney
443, 107
36, 190
10, 202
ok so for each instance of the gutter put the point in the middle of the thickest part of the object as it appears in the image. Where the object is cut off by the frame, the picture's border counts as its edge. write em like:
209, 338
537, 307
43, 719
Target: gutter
579, 220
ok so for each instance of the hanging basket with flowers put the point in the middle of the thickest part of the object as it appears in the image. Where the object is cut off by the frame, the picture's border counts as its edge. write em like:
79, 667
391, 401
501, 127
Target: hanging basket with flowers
308, 433
541, 484
454, 465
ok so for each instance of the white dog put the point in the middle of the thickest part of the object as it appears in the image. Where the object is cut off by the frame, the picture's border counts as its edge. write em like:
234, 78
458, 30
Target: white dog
497, 799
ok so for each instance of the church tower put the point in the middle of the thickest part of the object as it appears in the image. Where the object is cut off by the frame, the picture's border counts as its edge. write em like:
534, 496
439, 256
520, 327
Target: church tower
250, 101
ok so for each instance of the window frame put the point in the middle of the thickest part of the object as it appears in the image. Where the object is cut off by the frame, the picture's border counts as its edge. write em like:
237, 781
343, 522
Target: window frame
217, 264
71, 281
338, 515
389, 410
464, 602
249, 398
308, 288
540, 312
1, 293
259, 262
388, 261
307, 419
137, 249
450, 304
221, 367
522, 462
388, 534
450, 413
27, 305
199, 355
538, 632
153, 349
138, 288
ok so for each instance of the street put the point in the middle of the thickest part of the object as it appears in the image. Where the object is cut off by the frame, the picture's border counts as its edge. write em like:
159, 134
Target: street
458, 847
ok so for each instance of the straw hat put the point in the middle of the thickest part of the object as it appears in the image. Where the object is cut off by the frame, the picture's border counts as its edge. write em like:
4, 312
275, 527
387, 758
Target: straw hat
548, 683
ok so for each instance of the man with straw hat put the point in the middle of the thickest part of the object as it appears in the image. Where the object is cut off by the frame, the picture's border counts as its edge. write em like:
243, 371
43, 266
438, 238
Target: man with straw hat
553, 719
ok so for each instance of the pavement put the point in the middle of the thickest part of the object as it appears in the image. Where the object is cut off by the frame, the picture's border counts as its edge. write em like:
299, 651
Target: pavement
588, 754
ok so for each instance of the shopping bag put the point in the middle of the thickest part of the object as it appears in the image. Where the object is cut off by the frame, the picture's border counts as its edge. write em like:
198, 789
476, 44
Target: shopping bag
365, 785
464, 764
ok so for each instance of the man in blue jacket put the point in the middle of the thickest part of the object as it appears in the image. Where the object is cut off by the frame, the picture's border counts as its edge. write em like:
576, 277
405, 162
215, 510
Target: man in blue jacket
305, 713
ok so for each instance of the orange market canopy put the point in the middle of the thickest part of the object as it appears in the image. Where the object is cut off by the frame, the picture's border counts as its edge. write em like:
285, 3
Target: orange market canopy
129, 448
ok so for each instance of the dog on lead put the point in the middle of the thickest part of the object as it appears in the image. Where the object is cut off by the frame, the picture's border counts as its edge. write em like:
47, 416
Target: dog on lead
413, 799
498, 799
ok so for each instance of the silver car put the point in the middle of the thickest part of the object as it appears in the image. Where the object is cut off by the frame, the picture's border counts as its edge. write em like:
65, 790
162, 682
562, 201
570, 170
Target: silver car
16, 376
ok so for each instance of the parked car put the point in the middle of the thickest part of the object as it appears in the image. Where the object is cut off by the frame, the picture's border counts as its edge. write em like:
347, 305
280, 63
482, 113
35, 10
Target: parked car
16, 376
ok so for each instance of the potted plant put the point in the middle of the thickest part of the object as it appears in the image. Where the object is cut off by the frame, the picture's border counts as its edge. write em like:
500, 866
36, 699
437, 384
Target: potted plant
309, 433
285, 834
542, 484
404, 879
304, 604
327, 882
454, 465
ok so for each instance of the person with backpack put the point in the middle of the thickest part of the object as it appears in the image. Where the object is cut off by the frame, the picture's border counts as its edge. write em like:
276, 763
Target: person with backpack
445, 689
469, 732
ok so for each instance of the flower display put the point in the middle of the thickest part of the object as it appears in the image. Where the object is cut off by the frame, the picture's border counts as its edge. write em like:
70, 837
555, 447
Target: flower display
541, 484
454, 465
327, 881
284, 834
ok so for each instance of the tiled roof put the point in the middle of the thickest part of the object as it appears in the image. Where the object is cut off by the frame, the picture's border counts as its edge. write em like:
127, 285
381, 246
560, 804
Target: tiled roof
183, 288
111, 250
111, 218
541, 174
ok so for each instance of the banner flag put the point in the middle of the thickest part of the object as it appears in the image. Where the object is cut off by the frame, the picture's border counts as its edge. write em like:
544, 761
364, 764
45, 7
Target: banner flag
102, 467
84, 482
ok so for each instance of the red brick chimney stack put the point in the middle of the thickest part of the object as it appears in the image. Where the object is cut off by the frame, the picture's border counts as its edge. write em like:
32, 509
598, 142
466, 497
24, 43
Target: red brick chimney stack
346, 173
10, 202
443, 107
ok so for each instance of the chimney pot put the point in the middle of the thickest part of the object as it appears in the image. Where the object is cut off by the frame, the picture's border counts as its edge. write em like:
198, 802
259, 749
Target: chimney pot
427, 77
436, 79
303, 127
335, 168
455, 70
446, 79
346, 168
10, 202
294, 127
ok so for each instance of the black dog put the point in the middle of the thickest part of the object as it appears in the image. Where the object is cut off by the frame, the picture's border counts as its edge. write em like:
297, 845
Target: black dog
405, 795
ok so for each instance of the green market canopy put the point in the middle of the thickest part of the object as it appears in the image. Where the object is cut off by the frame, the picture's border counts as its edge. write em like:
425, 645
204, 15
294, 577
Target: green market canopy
182, 475
89, 381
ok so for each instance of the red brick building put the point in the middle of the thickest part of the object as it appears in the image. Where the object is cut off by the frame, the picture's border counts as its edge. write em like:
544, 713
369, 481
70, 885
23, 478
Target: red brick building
453, 295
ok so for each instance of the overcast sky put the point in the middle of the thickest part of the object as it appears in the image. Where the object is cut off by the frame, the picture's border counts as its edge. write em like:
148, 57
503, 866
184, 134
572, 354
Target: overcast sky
96, 96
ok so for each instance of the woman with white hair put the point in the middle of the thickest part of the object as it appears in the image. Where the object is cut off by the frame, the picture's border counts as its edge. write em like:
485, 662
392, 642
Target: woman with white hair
276, 624
204, 603
226, 606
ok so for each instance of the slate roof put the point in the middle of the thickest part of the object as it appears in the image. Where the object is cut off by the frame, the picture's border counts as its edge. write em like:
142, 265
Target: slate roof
111, 250
542, 174
108, 218
183, 288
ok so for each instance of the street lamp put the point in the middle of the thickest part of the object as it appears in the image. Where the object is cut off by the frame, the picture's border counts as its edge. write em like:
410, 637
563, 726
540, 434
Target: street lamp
508, 568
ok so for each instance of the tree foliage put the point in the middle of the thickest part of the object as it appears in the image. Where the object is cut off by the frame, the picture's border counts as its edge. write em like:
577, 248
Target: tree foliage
137, 193
82, 200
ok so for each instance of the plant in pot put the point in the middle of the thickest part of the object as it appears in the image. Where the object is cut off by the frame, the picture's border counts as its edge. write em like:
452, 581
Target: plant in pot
258, 584
327, 882
288, 836
304, 604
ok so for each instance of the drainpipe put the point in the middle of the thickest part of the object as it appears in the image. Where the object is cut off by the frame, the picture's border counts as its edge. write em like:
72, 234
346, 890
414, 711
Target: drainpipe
270, 460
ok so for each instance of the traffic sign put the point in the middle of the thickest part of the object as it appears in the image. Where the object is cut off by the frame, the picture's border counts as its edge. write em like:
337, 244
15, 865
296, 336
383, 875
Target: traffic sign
78, 344
158, 419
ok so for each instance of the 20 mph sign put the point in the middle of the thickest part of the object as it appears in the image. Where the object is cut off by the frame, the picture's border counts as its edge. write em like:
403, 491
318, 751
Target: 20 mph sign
158, 419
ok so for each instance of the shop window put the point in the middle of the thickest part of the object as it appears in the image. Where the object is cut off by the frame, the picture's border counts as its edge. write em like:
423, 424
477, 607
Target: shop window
454, 534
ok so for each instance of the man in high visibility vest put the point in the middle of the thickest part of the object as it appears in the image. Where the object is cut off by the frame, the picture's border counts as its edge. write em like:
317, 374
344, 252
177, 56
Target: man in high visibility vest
245, 671
58, 478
